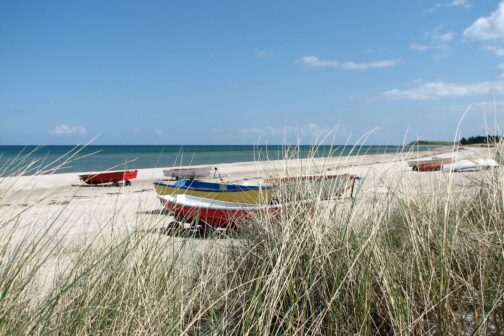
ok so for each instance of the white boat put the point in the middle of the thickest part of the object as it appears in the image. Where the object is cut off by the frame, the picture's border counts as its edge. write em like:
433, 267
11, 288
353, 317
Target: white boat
487, 163
434, 159
188, 172
322, 187
213, 212
470, 165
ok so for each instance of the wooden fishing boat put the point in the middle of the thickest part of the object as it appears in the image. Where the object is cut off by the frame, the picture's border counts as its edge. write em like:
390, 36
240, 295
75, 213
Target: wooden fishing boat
415, 164
257, 194
321, 187
113, 177
188, 172
433, 166
470, 165
211, 212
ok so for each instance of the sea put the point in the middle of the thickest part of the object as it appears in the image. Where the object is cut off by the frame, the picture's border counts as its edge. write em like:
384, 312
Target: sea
29, 160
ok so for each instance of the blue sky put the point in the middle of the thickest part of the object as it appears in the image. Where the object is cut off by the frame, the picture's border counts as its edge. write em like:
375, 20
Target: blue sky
243, 72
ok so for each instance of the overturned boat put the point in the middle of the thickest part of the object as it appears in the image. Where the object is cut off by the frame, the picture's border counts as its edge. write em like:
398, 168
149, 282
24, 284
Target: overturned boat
470, 165
429, 164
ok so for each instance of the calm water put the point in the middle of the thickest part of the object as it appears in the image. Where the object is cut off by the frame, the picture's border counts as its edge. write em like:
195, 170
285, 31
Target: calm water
61, 159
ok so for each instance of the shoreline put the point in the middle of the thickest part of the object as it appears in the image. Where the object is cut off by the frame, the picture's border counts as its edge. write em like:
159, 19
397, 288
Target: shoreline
380, 171
234, 169
66, 195
53, 160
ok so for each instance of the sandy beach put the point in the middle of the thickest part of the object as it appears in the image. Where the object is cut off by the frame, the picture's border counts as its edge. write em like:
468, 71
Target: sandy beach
86, 211
67, 228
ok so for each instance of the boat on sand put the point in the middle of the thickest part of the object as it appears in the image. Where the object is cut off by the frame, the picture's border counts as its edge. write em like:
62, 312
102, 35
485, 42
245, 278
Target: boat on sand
211, 212
426, 163
424, 167
255, 194
470, 165
113, 177
188, 172
320, 187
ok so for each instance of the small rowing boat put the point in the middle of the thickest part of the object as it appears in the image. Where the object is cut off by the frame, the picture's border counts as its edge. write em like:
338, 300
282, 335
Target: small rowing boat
433, 166
415, 164
188, 172
260, 194
470, 165
215, 213
113, 177
321, 187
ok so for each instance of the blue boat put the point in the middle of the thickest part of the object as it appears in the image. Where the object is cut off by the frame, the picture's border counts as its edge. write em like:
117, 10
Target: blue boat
236, 193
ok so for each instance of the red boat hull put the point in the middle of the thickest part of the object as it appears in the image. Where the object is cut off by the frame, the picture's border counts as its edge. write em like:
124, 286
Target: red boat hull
215, 217
109, 177
435, 166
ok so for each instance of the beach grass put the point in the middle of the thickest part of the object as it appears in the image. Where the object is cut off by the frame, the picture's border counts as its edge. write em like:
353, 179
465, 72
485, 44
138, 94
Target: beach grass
389, 263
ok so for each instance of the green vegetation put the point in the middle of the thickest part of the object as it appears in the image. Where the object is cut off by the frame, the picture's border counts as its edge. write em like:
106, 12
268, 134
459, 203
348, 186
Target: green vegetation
395, 264
430, 143
480, 139
487, 139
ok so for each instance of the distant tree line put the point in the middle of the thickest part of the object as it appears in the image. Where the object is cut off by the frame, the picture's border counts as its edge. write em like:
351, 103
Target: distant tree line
481, 139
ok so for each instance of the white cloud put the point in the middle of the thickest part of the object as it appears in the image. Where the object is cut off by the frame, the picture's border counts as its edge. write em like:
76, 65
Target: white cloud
64, 129
263, 53
314, 61
435, 7
501, 69
434, 39
446, 37
462, 3
158, 132
425, 47
438, 35
482, 106
311, 130
420, 47
374, 50
364, 66
499, 51
453, 3
487, 28
437, 90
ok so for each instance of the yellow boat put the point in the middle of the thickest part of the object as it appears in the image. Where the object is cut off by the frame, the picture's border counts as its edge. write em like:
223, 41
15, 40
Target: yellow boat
217, 191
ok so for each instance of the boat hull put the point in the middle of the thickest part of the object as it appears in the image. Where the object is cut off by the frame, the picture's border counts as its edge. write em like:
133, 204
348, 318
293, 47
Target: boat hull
247, 195
214, 213
470, 165
187, 173
415, 164
109, 177
320, 187
434, 166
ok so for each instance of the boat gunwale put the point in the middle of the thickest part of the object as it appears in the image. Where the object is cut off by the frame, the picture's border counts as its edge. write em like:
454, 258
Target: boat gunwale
239, 188
190, 168
212, 204
309, 178
131, 171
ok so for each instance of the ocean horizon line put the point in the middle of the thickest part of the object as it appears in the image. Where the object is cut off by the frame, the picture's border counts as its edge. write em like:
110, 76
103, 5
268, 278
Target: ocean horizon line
221, 145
